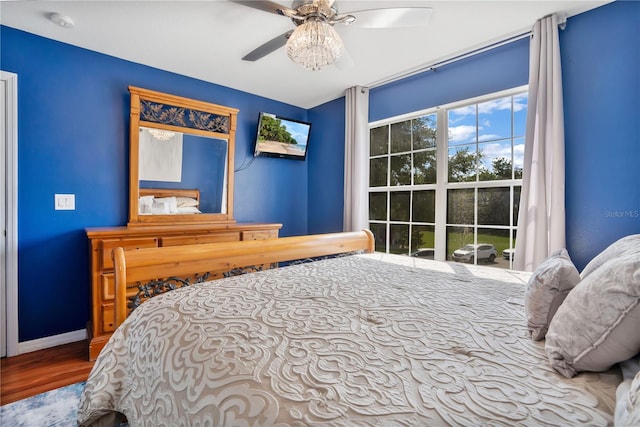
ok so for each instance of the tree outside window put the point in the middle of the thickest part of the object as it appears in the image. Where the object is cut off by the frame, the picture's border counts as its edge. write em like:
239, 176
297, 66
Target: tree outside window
481, 179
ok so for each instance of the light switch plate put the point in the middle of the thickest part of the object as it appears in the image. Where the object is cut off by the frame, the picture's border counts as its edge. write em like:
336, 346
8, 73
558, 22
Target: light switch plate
65, 202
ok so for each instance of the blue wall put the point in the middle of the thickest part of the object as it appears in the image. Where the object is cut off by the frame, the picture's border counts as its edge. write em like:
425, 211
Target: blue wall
326, 167
73, 138
601, 83
498, 69
73, 107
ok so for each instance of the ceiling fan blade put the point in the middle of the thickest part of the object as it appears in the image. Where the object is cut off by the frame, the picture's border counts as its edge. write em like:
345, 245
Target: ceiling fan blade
346, 62
268, 47
265, 6
394, 17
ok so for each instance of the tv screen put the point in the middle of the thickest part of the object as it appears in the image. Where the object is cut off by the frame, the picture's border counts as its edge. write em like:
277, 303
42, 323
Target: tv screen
282, 137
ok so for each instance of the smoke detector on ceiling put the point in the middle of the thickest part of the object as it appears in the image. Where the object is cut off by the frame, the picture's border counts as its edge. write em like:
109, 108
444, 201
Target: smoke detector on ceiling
61, 20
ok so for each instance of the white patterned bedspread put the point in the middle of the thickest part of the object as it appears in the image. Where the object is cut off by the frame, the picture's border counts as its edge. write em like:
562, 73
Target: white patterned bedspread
365, 340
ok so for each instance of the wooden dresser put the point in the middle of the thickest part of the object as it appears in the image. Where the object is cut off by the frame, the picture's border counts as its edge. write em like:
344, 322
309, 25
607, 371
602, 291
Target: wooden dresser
102, 241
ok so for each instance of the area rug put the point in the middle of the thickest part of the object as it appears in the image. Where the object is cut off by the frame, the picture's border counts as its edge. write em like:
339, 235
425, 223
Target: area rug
57, 408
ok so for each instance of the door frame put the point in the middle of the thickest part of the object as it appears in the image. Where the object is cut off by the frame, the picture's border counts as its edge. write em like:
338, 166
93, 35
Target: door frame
10, 206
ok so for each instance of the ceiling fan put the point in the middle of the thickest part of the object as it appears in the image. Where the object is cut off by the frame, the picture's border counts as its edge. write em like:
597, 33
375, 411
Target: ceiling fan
314, 43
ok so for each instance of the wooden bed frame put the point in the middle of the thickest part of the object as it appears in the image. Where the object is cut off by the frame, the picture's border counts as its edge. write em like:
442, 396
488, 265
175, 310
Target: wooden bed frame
143, 265
168, 192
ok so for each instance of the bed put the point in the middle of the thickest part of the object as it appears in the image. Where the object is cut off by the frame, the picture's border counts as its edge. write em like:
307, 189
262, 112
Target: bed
363, 339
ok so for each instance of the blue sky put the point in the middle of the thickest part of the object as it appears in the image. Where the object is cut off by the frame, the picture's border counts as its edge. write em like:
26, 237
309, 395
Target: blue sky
490, 125
297, 130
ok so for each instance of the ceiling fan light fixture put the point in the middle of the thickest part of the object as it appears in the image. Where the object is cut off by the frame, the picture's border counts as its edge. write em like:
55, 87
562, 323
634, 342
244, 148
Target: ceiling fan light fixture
314, 44
161, 134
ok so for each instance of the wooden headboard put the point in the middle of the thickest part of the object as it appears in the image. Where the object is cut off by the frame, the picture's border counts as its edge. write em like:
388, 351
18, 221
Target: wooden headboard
143, 265
169, 192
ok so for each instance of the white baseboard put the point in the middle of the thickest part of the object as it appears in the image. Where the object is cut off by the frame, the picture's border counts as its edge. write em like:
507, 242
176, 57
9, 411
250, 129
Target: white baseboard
52, 341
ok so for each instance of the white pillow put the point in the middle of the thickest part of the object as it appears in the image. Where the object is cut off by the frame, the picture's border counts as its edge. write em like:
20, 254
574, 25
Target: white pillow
598, 324
170, 204
625, 246
144, 204
547, 288
184, 202
188, 210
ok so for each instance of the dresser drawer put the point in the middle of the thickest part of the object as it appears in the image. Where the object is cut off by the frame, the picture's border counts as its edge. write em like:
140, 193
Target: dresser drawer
107, 307
202, 238
107, 286
108, 317
108, 245
259, 234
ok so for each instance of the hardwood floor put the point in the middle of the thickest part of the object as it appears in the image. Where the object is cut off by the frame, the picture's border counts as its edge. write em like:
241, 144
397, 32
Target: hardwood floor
43, 370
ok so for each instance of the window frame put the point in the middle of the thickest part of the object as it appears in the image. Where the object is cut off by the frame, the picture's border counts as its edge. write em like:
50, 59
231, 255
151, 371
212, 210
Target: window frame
442, 184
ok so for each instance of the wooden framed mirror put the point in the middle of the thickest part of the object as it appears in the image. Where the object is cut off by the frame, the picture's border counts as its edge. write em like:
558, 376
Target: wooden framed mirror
181, 160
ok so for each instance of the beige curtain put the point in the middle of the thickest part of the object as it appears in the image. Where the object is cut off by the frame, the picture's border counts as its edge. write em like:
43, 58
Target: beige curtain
541, 221
356, 159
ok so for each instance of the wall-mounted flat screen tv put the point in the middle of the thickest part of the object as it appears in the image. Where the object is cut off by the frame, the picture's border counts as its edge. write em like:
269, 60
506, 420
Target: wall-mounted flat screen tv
282, 137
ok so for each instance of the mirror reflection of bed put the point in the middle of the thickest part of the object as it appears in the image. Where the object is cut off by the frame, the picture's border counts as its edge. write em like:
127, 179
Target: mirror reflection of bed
181, 143
177, 160
167, 201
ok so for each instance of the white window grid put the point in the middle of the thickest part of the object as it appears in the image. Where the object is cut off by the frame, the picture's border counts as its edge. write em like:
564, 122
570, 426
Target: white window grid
442, 184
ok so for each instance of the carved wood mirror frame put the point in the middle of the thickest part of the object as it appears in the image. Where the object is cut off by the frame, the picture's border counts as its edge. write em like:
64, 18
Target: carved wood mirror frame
156, 110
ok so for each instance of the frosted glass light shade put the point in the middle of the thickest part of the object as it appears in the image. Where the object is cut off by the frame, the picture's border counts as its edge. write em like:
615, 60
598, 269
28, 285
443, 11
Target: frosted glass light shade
314, 45
162, 135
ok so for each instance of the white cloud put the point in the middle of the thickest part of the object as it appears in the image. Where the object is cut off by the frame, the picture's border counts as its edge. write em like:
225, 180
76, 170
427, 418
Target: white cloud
467, 132
495, 150
520, 102
518, 155
496, 104
462, 133
487, 137
459, 114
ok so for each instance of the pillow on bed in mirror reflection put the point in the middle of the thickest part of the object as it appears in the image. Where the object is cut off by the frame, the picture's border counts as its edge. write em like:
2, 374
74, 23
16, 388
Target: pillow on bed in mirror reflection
186, 202
144, 204
188, 210
598, 324
165, 205
548, 286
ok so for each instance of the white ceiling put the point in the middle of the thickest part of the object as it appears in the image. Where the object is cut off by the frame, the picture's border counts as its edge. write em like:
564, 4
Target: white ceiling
207, 39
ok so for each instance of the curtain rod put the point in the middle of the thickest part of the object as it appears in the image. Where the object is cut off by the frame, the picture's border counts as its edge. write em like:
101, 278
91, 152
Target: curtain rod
562, 24
432, 66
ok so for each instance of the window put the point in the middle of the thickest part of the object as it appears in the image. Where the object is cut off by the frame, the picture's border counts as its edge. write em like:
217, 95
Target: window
447, 180
402, 176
